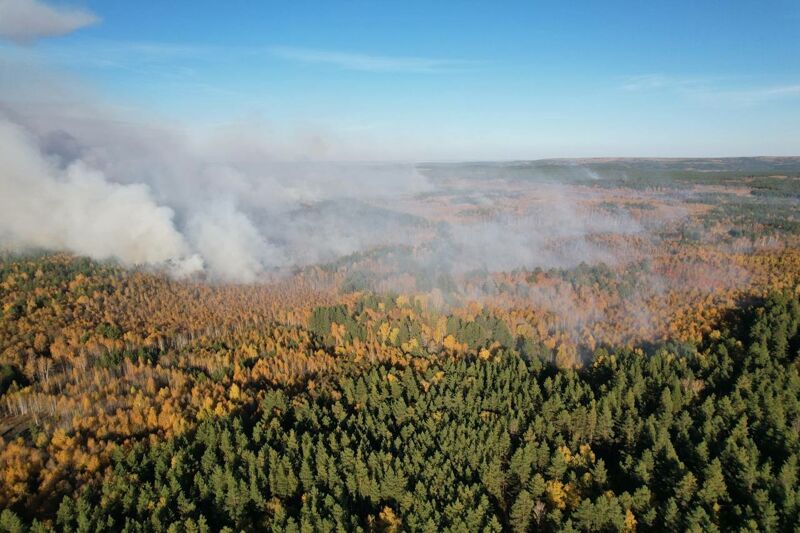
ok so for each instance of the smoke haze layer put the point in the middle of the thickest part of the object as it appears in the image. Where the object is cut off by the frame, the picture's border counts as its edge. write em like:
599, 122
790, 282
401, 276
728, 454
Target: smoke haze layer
237, 204
149, 196
232, 204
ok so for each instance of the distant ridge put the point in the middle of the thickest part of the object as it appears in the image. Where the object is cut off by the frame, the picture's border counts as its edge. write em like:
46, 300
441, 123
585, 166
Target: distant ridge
618, 168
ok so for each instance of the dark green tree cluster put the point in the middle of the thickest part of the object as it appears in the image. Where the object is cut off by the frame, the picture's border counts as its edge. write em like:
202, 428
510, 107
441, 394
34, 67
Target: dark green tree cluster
481, 332
322, 318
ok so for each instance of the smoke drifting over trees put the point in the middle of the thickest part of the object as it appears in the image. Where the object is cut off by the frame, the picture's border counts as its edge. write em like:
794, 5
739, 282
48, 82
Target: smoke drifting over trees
85, 179
89, 182
234, 204
76, 208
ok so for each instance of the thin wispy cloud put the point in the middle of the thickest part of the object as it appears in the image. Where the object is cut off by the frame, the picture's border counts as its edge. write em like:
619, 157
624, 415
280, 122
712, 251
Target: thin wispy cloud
711, 90
761, 94
367, 62
656, 82
102, 53
121, 54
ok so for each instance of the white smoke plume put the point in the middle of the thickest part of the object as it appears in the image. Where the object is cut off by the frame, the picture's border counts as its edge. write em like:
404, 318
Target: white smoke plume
80, 176
239, 204
77, 209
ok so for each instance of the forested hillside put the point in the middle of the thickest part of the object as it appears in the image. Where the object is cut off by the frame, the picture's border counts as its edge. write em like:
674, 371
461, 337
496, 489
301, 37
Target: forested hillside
136, 402
697, 437
502, 351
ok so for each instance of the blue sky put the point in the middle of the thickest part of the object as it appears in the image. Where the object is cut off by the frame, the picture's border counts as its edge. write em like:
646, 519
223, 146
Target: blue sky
457, 80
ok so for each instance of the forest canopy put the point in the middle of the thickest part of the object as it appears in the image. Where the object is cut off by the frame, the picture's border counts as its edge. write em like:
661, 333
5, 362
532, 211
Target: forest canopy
378, 413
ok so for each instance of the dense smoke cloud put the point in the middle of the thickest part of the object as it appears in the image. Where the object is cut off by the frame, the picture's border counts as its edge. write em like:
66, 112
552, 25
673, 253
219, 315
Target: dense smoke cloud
81, 177
77, 209
236, 204
146, 196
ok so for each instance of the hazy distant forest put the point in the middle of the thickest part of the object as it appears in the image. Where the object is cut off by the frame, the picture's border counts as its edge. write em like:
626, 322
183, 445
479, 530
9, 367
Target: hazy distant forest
588, 345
